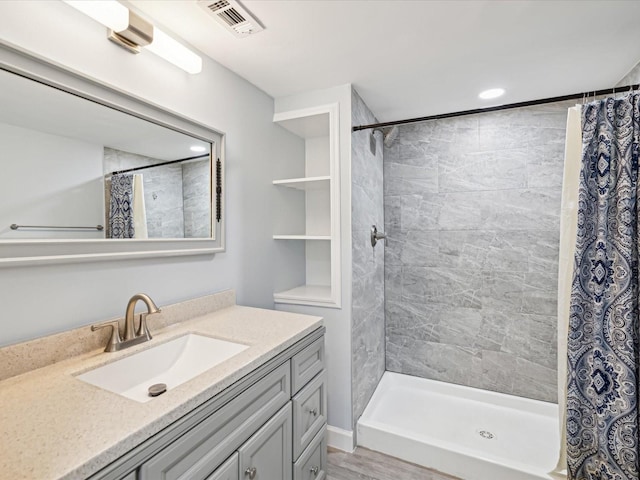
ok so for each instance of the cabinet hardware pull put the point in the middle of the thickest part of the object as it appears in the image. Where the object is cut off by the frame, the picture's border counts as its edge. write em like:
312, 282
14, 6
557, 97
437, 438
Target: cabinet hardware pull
251, 472
315, 470
314, 412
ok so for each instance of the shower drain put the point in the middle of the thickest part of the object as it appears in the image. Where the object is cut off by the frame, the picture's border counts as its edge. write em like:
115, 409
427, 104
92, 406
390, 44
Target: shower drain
485, 434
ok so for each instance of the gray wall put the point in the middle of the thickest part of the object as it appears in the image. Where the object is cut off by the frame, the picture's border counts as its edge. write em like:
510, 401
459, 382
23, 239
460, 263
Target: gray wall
49, 180
472, 211
367, 208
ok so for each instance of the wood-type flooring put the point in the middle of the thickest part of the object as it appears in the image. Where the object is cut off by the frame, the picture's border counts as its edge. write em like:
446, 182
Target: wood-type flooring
365, 464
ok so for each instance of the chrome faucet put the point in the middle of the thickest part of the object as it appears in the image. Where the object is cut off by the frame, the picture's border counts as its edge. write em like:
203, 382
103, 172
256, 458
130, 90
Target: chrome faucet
131, 336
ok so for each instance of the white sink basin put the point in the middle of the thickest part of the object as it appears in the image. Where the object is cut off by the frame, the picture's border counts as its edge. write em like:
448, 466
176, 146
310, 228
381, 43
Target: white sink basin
171, 363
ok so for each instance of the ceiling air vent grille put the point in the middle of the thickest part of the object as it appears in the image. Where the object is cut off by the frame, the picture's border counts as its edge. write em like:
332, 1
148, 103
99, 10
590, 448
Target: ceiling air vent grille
218, 5
232, 16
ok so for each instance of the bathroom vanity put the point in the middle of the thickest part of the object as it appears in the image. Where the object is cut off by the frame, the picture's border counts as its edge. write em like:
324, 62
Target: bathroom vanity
269, 425
259, 415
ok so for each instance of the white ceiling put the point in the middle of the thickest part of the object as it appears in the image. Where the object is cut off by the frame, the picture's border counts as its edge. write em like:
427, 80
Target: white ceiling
414, 58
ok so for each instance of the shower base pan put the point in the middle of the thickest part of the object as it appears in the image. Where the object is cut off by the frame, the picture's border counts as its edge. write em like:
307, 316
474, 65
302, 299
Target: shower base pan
470, 433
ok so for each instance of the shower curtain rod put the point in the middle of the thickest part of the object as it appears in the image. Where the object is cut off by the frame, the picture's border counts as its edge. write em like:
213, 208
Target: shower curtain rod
507, 106
135, 169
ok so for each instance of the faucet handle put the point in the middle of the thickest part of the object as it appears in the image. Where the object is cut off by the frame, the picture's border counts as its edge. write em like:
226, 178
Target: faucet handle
143, 328
114, 340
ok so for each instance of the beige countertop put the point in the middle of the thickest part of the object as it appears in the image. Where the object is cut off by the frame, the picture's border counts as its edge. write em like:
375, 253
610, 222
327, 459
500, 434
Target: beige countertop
55, 426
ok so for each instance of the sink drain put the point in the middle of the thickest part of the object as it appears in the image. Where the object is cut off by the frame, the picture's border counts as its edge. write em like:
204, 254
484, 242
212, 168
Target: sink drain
157, 389
485, 434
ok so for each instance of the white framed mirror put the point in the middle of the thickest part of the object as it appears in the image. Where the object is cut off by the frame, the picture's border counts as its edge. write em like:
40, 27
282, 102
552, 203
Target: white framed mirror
91, 173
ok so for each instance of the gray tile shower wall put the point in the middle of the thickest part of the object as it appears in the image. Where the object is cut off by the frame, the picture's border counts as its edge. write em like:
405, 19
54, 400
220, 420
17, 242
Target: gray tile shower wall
631, 78
367, 209
472, 209
196, 180
163, 200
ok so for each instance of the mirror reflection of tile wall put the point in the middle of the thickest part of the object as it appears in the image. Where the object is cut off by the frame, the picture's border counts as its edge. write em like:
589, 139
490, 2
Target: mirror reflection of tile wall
177, 196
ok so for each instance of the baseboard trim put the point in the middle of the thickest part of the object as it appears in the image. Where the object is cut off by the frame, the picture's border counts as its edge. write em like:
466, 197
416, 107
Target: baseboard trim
340, 439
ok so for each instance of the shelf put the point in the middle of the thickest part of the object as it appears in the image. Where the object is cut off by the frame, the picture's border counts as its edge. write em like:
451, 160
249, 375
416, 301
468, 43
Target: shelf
306, 183
305, 294
302, 237
307, 210
304, 126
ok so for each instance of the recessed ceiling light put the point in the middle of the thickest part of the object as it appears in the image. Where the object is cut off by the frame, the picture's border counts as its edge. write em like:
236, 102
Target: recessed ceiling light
491, 93
198, 148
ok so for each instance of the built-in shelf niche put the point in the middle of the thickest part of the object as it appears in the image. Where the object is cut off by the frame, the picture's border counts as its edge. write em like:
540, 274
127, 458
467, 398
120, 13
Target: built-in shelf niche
317, 225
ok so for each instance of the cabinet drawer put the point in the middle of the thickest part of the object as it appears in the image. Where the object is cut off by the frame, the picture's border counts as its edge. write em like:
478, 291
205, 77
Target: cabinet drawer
312, 464
198, 452
307, 364
267, 454
309, 413
228, 471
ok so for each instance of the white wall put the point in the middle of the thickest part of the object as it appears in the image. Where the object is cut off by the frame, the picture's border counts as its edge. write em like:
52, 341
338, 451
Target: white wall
337, 321
60, 184
41, 300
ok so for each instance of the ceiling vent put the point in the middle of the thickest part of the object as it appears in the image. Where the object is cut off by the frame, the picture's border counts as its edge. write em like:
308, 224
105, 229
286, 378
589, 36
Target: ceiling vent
232, 16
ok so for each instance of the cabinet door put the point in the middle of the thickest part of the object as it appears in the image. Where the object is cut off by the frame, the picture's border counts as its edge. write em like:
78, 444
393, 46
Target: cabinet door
267, 454
228, 471
307, 364
312, 464
309, 413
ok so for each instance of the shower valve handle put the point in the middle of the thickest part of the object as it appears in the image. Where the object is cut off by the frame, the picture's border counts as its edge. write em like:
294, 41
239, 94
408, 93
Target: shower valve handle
375, 236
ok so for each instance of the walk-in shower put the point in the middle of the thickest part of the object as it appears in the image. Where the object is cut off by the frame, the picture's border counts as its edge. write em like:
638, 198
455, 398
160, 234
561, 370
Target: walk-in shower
472, 207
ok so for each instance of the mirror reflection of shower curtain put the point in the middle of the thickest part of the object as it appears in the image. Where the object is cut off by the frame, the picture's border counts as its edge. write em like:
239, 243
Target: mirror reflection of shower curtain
139, 210
568, 225
127, 213
120, 200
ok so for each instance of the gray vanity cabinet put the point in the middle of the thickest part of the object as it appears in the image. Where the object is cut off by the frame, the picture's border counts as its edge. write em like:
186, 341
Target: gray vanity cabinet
228, 471
269, 425
267, 454
199, 451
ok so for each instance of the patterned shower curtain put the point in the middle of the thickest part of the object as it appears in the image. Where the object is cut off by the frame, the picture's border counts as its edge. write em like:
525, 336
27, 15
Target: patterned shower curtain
603, 345
121, 207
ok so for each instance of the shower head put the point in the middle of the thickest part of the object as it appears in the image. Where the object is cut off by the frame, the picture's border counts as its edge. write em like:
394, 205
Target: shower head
390, 136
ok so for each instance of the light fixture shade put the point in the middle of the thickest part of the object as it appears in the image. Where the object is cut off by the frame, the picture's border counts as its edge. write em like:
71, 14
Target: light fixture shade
172, 51
109, 13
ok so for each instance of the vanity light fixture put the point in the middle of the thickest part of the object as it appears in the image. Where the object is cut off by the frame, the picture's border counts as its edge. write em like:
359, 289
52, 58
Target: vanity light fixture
132, 32
491, 93
198, 149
